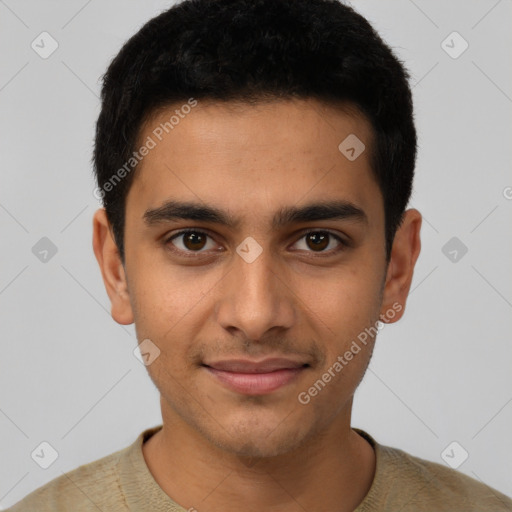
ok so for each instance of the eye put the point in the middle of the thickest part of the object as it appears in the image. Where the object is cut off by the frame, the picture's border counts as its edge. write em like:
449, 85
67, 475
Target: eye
191, 241
318, 241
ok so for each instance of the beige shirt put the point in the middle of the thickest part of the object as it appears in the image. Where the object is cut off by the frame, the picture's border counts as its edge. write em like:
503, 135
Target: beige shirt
122, 482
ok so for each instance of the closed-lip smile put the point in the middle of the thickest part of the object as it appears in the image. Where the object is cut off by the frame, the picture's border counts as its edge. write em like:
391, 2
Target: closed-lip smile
252, 377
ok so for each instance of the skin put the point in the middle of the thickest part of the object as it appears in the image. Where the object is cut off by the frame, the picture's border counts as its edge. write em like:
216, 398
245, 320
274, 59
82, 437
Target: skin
266, 452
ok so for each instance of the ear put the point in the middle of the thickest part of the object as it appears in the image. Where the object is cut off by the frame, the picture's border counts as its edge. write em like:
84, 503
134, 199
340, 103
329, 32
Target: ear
112, 269
404, 253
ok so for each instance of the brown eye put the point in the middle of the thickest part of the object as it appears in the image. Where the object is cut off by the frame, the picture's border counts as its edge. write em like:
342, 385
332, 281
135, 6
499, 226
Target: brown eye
194, 241
320, 242
190, 241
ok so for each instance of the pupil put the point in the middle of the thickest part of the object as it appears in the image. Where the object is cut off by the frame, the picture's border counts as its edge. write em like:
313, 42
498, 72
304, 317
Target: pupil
320, 240
192, 241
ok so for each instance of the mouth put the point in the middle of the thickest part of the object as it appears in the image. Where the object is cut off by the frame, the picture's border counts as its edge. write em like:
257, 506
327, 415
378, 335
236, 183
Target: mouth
255, 377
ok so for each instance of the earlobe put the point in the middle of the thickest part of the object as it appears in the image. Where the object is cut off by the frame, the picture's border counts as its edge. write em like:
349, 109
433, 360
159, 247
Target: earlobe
112, 269
404, 254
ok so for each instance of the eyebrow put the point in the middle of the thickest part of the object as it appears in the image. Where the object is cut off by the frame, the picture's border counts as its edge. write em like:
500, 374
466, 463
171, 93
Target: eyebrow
183, 210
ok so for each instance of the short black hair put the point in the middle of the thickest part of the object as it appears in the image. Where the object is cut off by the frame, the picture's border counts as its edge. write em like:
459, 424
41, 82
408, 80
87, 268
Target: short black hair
251, 51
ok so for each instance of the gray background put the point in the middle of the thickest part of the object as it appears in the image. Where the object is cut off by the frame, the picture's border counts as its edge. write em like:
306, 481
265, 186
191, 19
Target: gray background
68, 375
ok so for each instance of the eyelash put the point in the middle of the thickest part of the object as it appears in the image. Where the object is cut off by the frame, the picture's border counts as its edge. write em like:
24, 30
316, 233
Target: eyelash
196, 254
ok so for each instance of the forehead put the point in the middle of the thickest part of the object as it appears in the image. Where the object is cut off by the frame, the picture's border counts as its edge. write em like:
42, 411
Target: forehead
251, 158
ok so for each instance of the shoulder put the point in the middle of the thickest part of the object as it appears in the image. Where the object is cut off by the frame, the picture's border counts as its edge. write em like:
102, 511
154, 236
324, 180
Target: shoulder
419, 484
411, 484
93, 486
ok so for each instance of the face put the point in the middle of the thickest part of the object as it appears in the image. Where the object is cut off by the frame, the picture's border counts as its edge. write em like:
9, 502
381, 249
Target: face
254, 259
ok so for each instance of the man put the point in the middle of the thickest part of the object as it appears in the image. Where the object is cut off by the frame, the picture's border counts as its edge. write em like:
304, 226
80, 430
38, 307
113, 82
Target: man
255, 160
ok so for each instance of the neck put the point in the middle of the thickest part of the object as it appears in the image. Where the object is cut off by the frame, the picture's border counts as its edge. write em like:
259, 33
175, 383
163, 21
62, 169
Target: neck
333, 470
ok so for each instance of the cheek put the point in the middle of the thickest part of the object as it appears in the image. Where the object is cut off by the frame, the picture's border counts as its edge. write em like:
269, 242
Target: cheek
167, 312
170, 308
341, 304
166, 295
340, 314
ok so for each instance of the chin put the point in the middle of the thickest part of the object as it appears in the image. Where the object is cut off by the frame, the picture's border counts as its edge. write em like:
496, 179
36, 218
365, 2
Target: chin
256, 446
257, 438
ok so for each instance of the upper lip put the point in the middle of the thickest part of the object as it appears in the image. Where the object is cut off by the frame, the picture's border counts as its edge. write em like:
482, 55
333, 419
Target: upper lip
248, 366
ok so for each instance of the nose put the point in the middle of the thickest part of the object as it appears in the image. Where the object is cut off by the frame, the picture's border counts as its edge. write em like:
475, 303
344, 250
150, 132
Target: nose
254, 297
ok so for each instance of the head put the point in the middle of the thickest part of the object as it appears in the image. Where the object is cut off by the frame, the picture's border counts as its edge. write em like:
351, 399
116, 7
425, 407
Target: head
280, 134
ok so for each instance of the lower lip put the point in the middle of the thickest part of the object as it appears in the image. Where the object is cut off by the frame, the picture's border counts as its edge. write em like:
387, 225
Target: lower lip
256, 383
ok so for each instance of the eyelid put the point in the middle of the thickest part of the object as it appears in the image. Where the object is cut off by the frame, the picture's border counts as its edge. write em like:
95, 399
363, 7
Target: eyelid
183, 231
297, 236
342, 241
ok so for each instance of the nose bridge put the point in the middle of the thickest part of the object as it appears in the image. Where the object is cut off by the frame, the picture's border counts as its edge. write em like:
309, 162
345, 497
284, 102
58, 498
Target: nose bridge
254, 297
